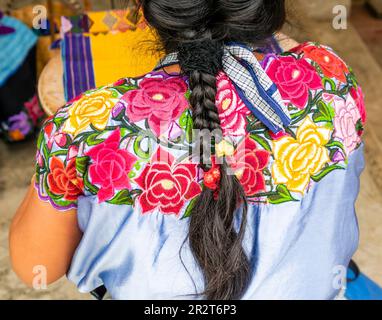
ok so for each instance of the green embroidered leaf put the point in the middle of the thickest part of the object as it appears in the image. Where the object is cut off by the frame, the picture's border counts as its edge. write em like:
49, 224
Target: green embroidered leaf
325, 113
283, 195
143, 154
359, 126
92, 140
40, 139
297, 114
261, 141
124, 88
187, 124
132, 175
329, 84
326, 171
92, 188
188, 211
123, 197
81, 164
59, 121
59, 153
45, 152
336, 144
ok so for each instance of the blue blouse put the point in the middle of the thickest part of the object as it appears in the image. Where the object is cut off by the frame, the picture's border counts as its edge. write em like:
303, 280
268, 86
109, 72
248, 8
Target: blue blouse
133, 206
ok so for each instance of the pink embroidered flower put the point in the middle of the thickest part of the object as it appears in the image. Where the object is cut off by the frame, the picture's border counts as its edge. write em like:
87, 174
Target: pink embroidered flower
119, 82
294, 79
167, 185
159, 100
232, 110
72, 152
58, 138
345, 121
359, 99
279, 135
110, 167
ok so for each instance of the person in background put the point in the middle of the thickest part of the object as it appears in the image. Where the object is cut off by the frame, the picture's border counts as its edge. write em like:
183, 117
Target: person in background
262, 210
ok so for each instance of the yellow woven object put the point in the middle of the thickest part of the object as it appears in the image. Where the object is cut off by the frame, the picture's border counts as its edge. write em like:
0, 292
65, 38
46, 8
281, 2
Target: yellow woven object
123, 54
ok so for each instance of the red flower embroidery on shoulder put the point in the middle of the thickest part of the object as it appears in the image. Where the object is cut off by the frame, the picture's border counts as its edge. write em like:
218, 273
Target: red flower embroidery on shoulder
159, 100
167, 185
63, 181
294, 78
331, 65
110, 167
248, 162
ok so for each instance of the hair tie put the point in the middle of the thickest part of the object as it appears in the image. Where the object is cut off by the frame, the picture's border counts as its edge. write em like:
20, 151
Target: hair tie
212, 178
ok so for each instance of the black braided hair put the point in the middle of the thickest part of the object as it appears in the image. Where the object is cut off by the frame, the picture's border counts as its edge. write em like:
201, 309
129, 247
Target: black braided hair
197, 29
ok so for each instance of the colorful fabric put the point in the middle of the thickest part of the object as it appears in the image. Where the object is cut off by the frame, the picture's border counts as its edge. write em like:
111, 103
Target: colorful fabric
14, 46
87, 64
122, 156
102, 22
257, 91
5, 29
325, 130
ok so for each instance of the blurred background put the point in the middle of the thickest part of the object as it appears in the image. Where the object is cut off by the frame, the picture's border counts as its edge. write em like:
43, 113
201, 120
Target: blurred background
97, 47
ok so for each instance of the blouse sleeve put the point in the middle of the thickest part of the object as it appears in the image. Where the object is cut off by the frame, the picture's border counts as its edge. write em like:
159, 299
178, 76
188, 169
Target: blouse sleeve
57, 179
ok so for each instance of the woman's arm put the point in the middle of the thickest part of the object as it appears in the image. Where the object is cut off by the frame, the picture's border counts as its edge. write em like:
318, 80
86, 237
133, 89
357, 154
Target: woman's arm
40, 235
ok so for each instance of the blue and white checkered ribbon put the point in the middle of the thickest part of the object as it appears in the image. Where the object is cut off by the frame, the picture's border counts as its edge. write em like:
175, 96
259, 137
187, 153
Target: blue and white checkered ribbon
253, 85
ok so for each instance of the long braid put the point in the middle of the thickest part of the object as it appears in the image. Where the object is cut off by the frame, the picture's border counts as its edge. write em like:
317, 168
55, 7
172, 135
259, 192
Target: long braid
197, 29
214, 241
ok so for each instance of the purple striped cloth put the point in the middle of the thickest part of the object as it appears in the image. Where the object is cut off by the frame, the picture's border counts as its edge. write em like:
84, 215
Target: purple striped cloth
78, 65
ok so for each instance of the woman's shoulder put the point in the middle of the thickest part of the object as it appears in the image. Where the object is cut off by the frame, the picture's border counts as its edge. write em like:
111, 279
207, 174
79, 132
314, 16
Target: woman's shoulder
100, 141
327, 111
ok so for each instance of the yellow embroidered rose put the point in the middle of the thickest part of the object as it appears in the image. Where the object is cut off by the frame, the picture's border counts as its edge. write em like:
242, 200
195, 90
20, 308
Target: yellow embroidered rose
90, 109
296, 160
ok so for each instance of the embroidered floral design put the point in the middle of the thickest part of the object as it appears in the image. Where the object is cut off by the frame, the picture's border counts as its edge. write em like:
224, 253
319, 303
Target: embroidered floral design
232, 110
294, 79
359, 99
345, 122
159, 100
93, 109
167, 185
110, 166
296, 160
247, 163
63, 180
94, 145
331, 65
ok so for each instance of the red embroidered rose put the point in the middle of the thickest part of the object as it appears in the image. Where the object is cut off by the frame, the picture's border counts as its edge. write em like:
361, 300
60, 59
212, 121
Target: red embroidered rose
110, 167
359, 99
63, 181
294, 79
247, 163
232, 110
159, 100
167, 185
331, 65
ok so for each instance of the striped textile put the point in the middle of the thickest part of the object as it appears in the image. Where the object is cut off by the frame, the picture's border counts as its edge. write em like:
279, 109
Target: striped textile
78, 65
